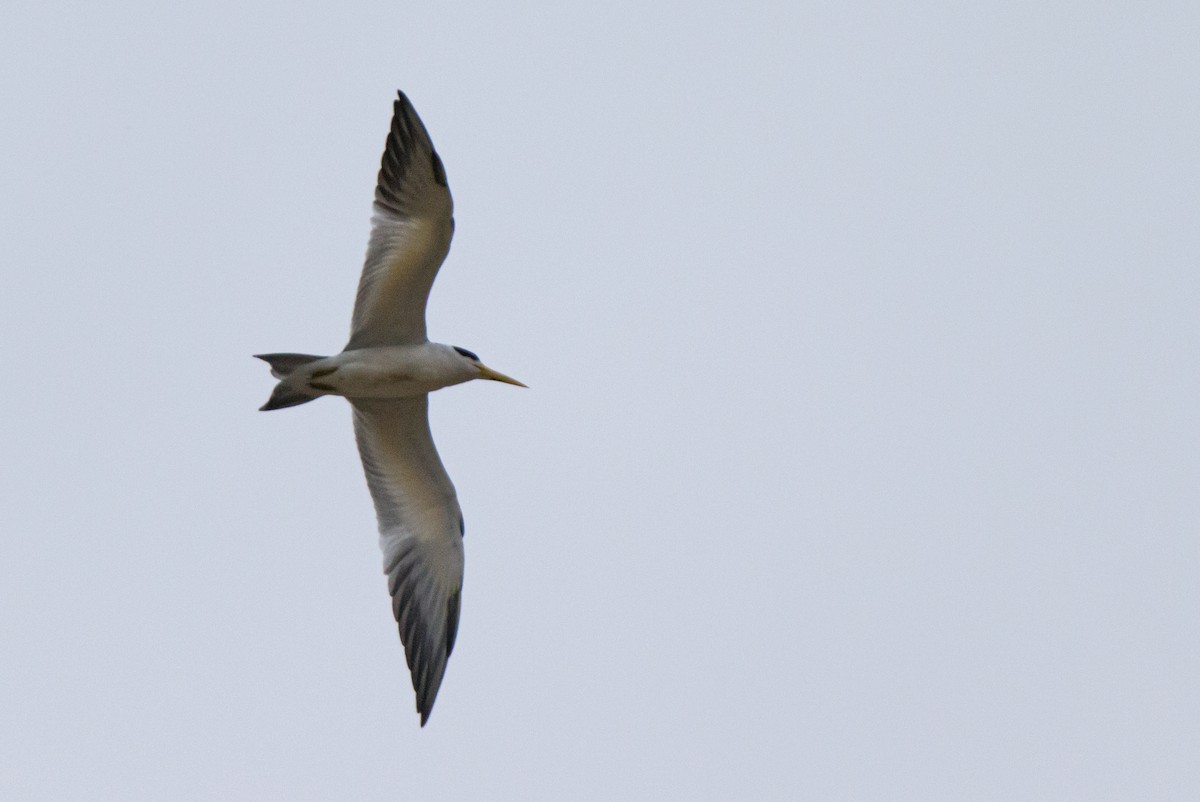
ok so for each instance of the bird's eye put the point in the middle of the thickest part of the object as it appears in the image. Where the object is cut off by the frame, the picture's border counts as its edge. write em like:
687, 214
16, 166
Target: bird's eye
466, 353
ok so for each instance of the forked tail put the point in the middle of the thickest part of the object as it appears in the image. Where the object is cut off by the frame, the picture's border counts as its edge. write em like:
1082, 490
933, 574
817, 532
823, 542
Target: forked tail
286, 393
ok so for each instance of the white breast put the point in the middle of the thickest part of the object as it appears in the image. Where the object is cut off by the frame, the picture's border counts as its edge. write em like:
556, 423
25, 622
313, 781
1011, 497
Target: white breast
400, 371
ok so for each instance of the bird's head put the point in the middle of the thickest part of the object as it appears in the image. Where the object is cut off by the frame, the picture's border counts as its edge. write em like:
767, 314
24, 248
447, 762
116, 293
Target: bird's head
482, 370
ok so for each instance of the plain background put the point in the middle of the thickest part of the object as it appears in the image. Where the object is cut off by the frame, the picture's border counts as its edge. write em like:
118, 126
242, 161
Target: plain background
861, 455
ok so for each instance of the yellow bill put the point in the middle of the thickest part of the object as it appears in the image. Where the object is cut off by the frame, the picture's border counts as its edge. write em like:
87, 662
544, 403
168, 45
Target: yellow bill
487, 373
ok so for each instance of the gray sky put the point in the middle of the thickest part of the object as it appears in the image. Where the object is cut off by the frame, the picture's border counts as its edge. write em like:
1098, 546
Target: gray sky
861, 455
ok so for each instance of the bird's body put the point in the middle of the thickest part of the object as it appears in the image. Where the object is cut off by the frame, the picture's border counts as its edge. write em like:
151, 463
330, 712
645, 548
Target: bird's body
386, 372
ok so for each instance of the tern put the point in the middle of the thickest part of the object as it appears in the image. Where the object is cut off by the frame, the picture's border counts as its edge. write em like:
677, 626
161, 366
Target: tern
386, 372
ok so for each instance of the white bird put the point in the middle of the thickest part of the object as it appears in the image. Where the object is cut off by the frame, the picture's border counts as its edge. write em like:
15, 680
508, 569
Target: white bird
386, 372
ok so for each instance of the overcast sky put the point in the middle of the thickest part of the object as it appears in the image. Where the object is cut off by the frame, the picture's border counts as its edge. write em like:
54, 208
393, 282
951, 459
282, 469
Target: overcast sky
861, 459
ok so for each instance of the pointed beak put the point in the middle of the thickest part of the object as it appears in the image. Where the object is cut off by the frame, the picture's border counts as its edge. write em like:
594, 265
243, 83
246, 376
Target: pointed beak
487, 373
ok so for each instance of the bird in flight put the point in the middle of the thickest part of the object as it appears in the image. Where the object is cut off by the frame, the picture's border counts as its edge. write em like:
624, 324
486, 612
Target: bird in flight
386, 372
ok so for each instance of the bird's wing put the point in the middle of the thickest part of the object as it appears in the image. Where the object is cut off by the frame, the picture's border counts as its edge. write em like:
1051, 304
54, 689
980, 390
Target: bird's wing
420, 532
411, 227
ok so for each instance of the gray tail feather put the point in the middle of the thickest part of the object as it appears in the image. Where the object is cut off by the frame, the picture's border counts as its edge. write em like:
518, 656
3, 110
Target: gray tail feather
282, 365
286, 394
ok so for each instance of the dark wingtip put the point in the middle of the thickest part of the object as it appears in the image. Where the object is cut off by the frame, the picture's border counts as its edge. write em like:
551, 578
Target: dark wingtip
452, 610
425, 706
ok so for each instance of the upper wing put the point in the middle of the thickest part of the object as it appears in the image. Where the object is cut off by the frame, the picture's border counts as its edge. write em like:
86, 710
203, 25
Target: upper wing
411, 227
420, 532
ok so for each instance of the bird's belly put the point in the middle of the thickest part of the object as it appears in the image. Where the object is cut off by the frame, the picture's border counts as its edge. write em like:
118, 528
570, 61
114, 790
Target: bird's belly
384, 373
356, 381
